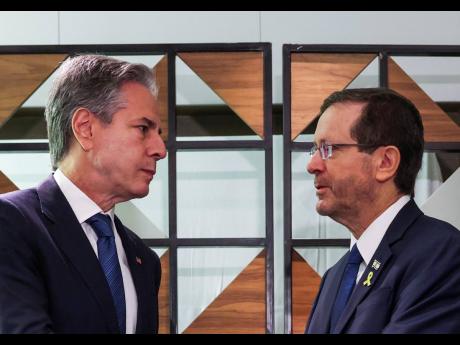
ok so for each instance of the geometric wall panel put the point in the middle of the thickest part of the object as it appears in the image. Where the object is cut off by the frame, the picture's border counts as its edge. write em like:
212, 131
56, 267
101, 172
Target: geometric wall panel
315, 76
161, 75
6, 185
163, 295
305, 286
20, 76
438, 127
240, 308
444, 202
437, 124
237, 78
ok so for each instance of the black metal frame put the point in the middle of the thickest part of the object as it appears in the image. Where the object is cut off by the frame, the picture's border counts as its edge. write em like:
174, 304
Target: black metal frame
173, 242
383, 52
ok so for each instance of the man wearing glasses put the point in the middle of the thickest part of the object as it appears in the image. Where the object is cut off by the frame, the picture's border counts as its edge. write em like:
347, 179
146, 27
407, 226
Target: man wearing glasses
402, 273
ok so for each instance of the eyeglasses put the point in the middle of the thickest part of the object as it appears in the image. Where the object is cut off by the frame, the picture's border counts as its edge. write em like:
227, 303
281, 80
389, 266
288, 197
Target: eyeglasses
325, 149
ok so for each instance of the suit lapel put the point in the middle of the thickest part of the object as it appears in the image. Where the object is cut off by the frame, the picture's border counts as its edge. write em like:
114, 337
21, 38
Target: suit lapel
377, 265
67, 233
135, 263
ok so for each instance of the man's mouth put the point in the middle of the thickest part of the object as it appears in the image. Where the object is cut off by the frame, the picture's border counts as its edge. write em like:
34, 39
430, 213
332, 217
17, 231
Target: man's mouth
150, 172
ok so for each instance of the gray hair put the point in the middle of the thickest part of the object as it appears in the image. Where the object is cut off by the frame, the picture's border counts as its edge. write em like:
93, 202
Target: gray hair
92, 82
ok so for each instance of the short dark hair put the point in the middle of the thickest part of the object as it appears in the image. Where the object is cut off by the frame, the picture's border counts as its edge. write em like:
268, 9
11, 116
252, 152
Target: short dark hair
387, 118
92, 82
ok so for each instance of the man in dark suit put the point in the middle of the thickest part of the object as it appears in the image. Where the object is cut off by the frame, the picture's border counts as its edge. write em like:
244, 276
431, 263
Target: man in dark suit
67, 264
402, 274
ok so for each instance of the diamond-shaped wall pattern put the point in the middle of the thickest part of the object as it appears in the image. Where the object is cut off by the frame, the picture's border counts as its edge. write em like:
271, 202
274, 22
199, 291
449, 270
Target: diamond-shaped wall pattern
20, 76
314, 77
240, 308
437, 124
237, 77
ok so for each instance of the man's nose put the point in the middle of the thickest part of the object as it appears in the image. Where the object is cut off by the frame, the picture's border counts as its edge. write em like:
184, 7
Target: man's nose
316, 164
157, 148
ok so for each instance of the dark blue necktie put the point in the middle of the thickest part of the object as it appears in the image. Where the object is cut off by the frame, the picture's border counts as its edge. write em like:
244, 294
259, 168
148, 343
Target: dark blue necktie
346, 286
107, 253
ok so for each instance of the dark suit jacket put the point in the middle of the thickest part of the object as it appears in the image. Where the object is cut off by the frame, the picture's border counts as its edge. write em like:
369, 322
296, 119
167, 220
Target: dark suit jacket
416, 289
50, 277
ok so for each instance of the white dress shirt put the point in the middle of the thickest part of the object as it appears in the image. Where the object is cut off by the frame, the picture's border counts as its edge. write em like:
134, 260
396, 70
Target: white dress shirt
84, 208
372, 236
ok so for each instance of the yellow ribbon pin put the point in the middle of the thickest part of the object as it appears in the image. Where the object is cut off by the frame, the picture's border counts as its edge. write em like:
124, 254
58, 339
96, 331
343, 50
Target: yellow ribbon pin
368, 280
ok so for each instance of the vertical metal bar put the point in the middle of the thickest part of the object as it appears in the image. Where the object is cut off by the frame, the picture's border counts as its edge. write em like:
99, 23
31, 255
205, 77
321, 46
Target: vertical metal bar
268, 138
287, 175
172, 188
383, 69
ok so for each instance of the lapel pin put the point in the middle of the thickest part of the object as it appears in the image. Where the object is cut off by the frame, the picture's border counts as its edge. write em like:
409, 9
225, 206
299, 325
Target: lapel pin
376, 265
368, 280
139, 260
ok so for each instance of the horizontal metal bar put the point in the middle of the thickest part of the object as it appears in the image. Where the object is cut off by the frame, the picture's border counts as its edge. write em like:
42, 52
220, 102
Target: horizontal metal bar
301, 146
86, 48
326, 242
13, 147
142, 49
222, 47
418, 50
205, 242
443, 146
157, 242
219, 145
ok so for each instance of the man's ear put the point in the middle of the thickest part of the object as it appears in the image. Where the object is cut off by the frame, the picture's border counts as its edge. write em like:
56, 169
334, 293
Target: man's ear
82, 127
388, 159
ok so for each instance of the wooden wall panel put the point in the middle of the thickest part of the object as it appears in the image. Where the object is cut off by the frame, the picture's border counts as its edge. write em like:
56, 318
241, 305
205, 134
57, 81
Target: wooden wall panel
237, 78
305, 286
163, 295
240, 308
437, 124
314, 76
6, 185
161, 73
20, 76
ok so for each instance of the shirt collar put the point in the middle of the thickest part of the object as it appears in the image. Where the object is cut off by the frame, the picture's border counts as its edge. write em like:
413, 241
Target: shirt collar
81, 204
372, 236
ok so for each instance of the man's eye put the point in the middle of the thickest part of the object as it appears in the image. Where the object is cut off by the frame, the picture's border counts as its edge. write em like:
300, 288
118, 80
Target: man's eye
143, 129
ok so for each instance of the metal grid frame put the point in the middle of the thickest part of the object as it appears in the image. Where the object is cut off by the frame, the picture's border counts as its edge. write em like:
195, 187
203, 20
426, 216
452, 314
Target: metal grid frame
265, 145
383, 52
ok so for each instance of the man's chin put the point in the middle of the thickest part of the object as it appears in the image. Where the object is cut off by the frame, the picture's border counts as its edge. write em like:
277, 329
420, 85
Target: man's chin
322, 208
140, 193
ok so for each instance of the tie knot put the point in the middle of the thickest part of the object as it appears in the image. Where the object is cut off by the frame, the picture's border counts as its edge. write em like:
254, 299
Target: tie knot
355, 257
101, 224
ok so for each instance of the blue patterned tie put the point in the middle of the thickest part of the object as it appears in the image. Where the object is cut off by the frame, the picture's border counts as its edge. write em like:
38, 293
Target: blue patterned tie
107, 253
346, 286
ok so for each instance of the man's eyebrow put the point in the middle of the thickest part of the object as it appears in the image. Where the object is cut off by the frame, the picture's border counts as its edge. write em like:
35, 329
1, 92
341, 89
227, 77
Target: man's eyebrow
152, 124
149, 122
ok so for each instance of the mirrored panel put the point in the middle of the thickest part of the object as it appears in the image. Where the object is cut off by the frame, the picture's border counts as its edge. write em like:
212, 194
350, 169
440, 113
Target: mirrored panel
438, 76
320, 259
201, 113
25, 169
308, 266
369, 77
221, 290
220, 194
164, 293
